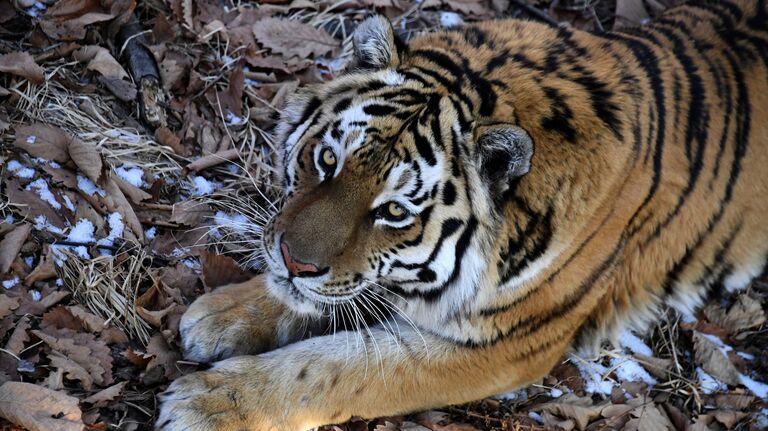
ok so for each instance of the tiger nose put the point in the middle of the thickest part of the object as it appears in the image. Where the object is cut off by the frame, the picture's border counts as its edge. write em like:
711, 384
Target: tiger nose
295, 267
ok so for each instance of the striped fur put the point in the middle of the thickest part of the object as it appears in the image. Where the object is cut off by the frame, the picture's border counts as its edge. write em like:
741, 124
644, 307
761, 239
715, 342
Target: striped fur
647, 185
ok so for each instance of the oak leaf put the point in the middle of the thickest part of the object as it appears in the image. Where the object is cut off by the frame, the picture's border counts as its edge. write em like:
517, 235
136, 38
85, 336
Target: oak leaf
43, 140
39, 409
11, 245
714, 361
22, 64
293, 38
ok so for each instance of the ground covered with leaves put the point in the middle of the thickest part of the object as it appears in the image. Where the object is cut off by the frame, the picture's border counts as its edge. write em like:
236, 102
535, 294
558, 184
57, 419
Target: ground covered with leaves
134, 168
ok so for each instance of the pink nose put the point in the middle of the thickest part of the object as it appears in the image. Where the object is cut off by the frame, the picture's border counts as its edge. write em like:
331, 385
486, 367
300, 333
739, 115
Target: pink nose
296, 267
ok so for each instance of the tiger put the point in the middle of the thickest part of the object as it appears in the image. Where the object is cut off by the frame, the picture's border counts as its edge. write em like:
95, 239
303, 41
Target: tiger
460, 211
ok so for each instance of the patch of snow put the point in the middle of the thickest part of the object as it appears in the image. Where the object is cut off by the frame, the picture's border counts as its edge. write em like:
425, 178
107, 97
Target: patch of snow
593, 374
9, 219
31, 139
202, 186
191, 262
82, 232
746, 356
20, 171
132, 175
234, 120
86, 185
41, 223
68, 203
537, 417
116, 229
762, 419
634, 343
42, 161
59, 282
555, 393
29, 261
708, 383
151, 233
36, 296
717, 342
758, 388
123, 136
628, 370
233, 168
450, 19
251, 82
178, 252
7, 284
41, 186
518, 395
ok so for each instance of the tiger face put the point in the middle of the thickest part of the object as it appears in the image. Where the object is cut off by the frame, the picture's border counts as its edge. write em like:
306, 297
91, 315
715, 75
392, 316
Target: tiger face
378, 168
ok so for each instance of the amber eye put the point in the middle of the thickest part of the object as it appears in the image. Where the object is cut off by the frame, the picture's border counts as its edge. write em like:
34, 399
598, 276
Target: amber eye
327, 160
393, 211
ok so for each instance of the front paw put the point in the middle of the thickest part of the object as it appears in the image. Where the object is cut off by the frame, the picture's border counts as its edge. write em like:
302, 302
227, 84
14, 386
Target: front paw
222, 324
200, 401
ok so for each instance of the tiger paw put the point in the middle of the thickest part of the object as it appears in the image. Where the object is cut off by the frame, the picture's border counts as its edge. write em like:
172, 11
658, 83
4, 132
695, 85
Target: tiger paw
233, 320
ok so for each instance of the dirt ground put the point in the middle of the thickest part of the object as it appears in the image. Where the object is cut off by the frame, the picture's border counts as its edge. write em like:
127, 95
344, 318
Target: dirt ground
134, 176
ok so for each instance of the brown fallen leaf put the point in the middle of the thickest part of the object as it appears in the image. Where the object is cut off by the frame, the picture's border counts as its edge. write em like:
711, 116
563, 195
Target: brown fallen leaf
88, 160
43, 140
745, 313
440, 421
190, 213
71, 369
82, 348
648, 418
7, 305
729, 418
11, 245
105, 396
39, 409
293, 38
19, 336
44, 270
581, 409
31, 206
714, 361
220, 270
22, 64
100, 60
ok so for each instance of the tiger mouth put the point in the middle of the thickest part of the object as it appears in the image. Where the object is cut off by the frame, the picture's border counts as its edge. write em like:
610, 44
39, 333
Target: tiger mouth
301, 292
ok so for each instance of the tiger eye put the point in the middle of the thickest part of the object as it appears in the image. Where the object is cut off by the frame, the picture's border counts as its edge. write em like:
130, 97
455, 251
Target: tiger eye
328, 158
395, 210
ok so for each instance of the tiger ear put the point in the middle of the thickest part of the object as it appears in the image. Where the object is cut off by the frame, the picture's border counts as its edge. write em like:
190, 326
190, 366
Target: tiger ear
376, 45
504, 153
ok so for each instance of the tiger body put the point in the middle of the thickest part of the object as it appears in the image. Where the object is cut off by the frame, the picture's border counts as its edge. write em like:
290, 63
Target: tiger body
550, 187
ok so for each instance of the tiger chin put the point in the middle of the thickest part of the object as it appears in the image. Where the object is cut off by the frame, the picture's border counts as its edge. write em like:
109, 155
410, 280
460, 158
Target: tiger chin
461, 211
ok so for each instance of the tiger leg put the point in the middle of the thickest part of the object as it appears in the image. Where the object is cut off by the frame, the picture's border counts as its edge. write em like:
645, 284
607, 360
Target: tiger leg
326, 380
237, 319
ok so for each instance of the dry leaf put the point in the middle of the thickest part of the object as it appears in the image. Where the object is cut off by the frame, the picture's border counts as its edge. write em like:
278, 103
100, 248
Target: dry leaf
116, 201
648, 418
190, 213
71, 369
103, 397
39, 409
82, 348
22, 64
746, 313
44, 141
163, 356
714, 361
729, 418
88, 160
100, 60
220, 270
292, 38
10, 246
19, 337
7, 305
44, 270
570, 406
439, 421
31, 206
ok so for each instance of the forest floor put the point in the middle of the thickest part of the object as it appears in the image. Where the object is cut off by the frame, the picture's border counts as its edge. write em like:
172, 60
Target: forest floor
115, 215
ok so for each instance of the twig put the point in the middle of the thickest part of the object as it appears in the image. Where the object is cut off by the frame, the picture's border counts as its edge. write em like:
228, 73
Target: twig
213, 160
538, 13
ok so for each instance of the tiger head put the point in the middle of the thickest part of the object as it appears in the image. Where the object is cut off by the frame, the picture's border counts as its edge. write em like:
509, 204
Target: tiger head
391, 182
